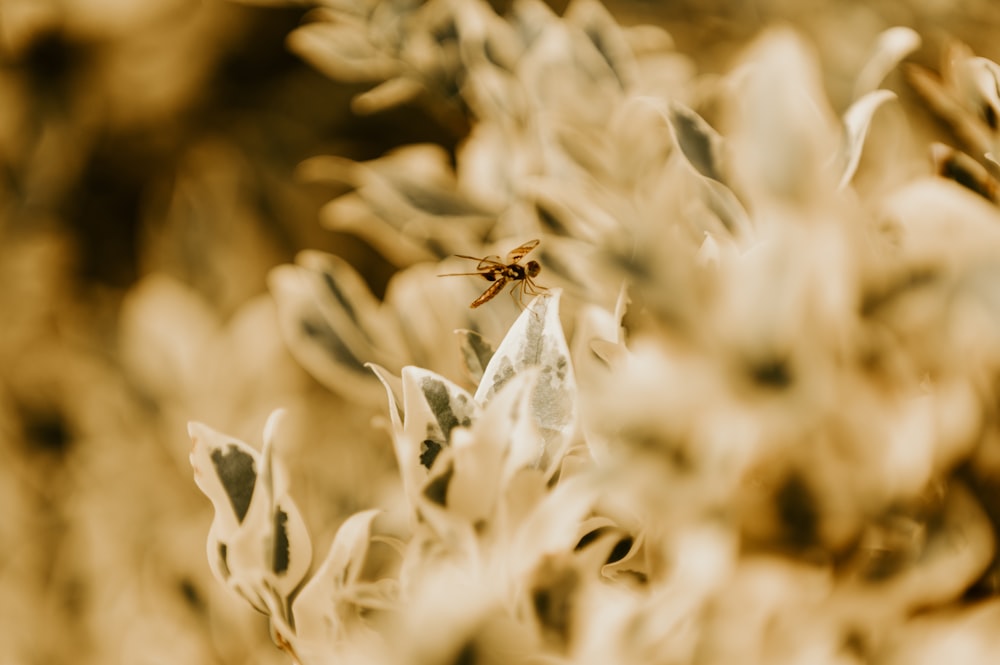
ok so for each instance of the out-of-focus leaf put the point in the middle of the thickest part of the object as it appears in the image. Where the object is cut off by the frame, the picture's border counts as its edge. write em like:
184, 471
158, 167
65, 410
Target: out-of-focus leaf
332, 323
944, 225
963, 169
966, 96
536, 341
393, 92
165, 329
407, 203
857, 119
647, 38
342, 51
607, 37
698, 141
593, 324
891, 47
785, 134
936, 95
554, 525
530, 18
954, 549
563, 70
350, 213
723, 203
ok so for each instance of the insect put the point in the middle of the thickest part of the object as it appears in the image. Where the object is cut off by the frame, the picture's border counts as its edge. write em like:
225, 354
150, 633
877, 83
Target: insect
492, 269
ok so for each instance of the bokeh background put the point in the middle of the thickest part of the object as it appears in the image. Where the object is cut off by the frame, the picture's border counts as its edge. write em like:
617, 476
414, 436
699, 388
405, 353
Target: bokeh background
148, 184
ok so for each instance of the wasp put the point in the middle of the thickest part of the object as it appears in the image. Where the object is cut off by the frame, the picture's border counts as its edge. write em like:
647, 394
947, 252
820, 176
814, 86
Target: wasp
492, 269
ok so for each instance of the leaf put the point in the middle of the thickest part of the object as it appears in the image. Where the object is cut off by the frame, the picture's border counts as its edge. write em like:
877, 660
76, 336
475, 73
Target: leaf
783, 138
259, 545
698, 141
723, 203
476, 353
536, 341
225, 470
342, 52
332, 323
319, 607
606, 35
553, 526
702, 148
891, 47
425, 407
394, 390
434, 406
392, 93
857, 119
273, 546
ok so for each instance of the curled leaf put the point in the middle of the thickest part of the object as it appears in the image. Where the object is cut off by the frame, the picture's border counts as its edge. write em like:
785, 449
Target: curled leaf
891, 47
857, 120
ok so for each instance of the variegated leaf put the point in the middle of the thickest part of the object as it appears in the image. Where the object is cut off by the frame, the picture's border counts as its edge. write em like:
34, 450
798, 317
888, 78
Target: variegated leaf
536, 343
425, 407
225, 470
700, 144
476, 353
258, 543
332, 323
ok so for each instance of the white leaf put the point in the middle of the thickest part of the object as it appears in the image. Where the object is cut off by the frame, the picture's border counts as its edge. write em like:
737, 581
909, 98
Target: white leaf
258, 543
891, 47
225, 469
857, 120
317, 607
536, 341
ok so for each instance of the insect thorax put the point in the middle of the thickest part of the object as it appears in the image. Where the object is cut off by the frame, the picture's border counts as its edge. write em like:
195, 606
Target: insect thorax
516, 271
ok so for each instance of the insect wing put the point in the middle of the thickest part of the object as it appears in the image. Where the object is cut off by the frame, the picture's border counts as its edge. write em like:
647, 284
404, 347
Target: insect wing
519, 253
495, 288
488, 263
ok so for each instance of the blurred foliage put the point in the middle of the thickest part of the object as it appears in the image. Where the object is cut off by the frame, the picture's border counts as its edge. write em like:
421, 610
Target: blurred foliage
150, 182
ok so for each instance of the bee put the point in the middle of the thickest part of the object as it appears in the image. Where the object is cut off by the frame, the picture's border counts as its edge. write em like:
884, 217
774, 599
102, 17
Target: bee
492, 269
